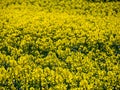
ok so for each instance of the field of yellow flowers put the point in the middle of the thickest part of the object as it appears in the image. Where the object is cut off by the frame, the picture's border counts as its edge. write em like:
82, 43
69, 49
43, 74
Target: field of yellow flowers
59, 45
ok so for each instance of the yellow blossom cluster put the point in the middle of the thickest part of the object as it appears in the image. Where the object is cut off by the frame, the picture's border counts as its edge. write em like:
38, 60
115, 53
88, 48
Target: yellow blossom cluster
59, 45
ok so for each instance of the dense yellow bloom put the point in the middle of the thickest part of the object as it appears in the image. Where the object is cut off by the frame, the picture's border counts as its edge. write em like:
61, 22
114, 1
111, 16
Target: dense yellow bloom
59, 45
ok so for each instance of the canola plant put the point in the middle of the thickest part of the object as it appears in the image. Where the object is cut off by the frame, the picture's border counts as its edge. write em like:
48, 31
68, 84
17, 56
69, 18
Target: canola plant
59, 45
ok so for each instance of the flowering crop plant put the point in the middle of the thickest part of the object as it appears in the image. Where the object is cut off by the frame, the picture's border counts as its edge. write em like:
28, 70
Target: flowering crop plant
59, 45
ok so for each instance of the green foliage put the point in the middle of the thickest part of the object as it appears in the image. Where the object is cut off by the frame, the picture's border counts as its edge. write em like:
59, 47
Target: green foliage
59, 45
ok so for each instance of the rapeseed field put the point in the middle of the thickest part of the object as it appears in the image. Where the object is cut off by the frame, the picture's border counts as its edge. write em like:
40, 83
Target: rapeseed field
59, 44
